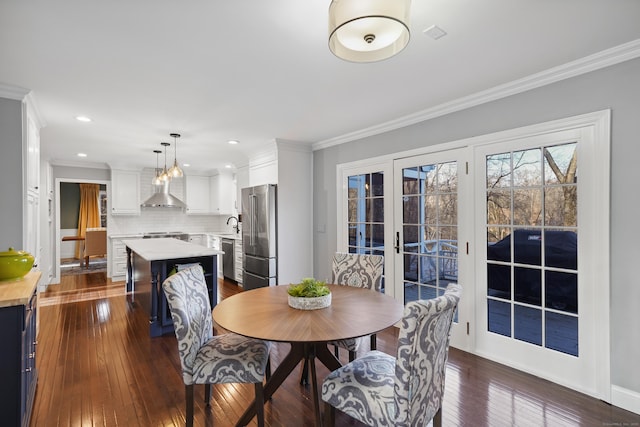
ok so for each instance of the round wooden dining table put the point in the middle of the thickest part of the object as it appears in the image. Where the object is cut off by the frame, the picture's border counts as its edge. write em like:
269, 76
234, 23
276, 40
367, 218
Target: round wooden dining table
264, 313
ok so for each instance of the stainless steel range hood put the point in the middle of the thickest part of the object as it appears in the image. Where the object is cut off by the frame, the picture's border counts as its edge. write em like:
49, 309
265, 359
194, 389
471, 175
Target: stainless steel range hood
161, 198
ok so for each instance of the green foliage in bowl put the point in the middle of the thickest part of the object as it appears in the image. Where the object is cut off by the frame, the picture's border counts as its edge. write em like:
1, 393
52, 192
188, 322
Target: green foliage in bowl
309, 288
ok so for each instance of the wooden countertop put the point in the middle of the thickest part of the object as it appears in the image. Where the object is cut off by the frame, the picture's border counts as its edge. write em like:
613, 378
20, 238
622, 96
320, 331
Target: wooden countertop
18, 292
167, 248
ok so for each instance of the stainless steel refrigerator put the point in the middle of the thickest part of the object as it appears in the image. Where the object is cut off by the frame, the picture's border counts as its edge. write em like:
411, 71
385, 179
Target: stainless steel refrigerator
259, 236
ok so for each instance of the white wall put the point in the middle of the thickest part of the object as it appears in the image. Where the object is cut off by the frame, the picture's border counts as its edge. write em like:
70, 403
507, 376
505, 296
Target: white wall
616, 87
11, 226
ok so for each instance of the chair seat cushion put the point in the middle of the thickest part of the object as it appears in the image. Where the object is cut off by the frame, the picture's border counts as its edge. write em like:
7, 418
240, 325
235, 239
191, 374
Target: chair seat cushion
230, 358
363, 389
351, 344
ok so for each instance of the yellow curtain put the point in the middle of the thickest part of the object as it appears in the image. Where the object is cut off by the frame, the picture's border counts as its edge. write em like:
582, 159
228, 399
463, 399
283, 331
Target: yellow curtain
89, 215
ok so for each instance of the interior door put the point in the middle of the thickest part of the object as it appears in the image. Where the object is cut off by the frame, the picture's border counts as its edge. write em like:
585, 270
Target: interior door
431, 231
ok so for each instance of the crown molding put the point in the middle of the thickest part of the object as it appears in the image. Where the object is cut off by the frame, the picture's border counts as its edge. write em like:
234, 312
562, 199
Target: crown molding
13, 92
603, 59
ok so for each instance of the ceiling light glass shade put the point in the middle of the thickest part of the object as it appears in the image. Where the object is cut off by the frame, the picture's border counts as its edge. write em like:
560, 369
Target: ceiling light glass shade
156, 178
175, 170
368, 30
164, 176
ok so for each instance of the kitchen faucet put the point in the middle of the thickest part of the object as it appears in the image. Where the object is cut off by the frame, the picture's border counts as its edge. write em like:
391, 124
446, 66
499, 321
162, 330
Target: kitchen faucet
235, 227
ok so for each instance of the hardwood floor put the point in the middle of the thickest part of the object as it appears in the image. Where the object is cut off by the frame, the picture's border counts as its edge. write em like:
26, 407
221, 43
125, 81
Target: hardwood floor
98, 366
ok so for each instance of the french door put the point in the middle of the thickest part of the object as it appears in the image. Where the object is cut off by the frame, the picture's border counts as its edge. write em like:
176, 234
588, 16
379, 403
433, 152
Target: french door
520, 219
432, 233
536, 245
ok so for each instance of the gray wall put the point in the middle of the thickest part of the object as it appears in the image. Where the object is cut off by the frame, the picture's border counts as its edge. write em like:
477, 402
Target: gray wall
616, 87
11, 191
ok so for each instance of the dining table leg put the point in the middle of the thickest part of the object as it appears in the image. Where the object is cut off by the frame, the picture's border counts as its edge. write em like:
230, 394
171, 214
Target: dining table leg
288, 364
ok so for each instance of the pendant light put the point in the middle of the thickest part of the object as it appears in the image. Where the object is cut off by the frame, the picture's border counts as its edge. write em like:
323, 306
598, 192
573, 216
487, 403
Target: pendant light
156, 179
175, 171
164, 176
368, 30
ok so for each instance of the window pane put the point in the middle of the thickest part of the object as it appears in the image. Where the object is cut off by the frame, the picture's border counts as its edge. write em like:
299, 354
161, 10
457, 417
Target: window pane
499, 281
428, 269
527, 324
561, 249
428, 175
377, 184
448, 209
448, 177
562, 333
561, 291
411, 267
527, 168
377, 214
499, 244
499, 207
377, 236
561, 206
410, 184
528, 285
411, 210
499, 170
527, 206
411, 238
560, 164
499, 317
410, 292
527, 247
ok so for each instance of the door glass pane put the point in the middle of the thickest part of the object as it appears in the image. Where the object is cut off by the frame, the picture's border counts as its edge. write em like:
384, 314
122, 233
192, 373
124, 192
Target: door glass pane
430, 217
366, 213
532, 279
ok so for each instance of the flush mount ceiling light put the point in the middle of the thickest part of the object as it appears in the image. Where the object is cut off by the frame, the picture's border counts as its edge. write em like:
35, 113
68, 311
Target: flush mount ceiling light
175, 170
368, 30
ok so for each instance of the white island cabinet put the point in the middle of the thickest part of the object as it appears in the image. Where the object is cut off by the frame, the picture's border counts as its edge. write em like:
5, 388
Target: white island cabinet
125, 192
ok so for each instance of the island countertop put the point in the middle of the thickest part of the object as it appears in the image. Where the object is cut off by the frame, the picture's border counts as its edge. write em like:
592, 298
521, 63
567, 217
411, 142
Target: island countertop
167, 248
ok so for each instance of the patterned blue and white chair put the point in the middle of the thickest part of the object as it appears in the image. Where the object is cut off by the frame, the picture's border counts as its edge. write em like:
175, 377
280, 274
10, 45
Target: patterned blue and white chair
360, 271
405, 390
205, 358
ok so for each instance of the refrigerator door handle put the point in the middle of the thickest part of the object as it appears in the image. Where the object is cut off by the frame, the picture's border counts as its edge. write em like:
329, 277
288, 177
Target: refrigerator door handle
252, 231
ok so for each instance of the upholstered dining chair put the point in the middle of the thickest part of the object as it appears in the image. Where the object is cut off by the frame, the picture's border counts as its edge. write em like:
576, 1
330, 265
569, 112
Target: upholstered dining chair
95, 244
205, 358
361, 271
404, 390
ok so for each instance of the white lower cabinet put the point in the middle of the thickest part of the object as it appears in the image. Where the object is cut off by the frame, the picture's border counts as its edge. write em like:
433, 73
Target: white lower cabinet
118, 260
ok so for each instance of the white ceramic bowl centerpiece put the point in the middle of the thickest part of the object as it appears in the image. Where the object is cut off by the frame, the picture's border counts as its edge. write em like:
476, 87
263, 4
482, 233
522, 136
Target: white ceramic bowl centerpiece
310, 294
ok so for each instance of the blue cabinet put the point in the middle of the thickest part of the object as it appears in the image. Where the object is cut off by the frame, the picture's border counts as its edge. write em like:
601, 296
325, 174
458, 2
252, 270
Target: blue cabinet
18, 362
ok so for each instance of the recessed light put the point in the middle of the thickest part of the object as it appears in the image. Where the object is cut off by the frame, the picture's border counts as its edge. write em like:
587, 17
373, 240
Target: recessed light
227, 166
82, 155
83, 119
233, 142
186, 165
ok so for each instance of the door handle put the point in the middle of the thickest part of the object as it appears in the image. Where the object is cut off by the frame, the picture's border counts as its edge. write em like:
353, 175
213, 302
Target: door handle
397, 242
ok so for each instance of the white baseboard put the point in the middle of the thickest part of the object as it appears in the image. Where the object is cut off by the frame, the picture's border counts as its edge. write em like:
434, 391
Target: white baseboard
625, 399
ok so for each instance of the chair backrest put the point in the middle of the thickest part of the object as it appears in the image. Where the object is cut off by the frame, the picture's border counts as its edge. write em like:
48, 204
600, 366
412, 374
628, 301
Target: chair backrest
423, 348
359, 270
95, 242
188, 300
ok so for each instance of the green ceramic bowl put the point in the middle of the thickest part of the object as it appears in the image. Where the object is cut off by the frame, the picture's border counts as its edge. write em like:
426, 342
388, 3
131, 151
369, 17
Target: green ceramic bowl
15, 264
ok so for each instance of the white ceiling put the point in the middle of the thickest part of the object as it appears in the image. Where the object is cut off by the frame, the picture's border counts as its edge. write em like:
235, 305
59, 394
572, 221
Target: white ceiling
256, 70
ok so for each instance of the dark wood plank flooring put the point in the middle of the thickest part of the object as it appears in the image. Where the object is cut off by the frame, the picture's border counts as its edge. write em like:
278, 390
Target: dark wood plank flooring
98, 367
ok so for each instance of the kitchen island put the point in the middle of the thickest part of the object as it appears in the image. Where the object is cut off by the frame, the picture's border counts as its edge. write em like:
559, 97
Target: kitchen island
150, 261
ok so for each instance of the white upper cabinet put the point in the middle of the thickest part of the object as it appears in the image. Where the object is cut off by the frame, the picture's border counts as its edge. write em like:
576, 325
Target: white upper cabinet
198, 195
223, 194
125, 192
